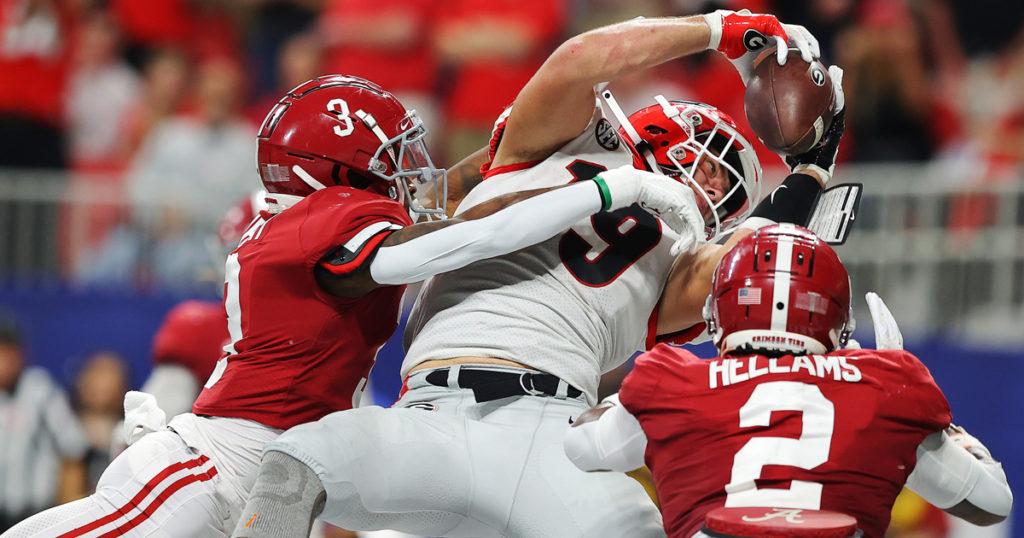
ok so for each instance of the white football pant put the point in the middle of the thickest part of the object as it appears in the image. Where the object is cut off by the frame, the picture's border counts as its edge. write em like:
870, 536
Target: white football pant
440, 464
165, 486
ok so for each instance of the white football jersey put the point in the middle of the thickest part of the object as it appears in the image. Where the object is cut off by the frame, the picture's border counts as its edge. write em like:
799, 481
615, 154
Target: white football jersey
576, 305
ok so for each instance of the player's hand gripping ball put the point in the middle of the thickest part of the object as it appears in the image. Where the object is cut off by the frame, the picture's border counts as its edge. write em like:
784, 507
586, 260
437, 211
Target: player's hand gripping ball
790, 107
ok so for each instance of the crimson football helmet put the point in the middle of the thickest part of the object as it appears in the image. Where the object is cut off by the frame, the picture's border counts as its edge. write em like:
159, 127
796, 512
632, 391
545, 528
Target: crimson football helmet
344, 130
780, 290
673, 138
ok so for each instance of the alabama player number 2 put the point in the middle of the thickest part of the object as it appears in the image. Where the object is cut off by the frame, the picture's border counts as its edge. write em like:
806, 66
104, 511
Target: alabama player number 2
807, 452
627, 234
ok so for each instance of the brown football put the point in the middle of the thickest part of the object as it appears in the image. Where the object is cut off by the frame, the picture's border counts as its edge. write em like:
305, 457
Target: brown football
789, 106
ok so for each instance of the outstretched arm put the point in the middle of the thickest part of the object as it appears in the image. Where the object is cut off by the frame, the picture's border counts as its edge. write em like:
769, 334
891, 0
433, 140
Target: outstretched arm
380, 255
558, 102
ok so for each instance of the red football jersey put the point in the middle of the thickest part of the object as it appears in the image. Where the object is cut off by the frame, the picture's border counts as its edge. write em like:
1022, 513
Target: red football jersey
833, 432
192, 335
298, 353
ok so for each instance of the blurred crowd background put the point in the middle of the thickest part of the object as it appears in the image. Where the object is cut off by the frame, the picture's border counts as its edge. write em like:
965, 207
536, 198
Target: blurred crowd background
127, 129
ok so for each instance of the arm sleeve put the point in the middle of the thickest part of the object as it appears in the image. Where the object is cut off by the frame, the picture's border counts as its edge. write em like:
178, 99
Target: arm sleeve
517, 226
613, 442
793, 201
173, 386
64, 426
946, 475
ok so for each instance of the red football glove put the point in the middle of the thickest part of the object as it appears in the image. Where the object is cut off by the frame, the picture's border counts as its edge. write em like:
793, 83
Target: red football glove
735, 34
744, 33
739, 33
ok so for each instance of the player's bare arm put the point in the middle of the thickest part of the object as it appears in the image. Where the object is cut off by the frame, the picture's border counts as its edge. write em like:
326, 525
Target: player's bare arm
505, 224
558, 102
463, 177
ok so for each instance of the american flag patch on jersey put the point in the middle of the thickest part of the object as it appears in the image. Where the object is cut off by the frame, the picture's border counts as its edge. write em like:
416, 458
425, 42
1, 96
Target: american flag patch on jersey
749, 296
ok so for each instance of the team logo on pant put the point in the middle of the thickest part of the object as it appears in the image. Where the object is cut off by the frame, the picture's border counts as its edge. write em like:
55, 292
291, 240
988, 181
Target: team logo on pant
791, 516
606, 135
425, 406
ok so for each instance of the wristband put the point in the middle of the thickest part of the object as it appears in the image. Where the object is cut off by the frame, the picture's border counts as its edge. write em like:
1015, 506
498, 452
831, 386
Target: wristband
606, 194
714, 22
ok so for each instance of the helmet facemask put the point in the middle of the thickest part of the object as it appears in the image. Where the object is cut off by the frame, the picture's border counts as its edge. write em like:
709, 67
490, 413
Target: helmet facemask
729, 150
421, 186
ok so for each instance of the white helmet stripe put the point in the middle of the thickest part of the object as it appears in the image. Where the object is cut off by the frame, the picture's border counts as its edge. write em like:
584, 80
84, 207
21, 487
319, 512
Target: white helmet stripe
307, 179
634, 137
780, 296
374, 127
673, 113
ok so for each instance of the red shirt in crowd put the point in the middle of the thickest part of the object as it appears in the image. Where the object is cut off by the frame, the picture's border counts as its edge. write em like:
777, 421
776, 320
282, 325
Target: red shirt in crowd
483, 87
399, 67
34, 58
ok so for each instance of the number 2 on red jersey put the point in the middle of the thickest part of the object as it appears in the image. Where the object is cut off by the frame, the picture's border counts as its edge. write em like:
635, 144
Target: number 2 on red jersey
807, 452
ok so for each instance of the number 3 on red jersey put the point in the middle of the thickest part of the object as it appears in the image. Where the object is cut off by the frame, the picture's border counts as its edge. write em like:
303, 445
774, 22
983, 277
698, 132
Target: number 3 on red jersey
807, 452
232, 302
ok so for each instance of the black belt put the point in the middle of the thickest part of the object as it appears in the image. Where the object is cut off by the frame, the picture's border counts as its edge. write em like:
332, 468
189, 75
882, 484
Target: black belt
488, 385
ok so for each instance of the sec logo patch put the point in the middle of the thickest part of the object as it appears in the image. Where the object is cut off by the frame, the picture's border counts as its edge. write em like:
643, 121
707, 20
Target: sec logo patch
607, 138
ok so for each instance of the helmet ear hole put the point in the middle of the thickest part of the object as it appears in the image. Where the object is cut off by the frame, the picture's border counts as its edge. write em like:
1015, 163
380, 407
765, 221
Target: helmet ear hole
357, 180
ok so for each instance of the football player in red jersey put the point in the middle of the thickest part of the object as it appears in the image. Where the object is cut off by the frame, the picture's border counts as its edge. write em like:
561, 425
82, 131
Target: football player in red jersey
188, 343
785, 418
312, 292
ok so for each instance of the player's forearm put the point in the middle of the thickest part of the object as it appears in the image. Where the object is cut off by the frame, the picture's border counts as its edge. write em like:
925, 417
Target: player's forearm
491, 229
558, 101
610, 52
949, 477
689, 284
463, 177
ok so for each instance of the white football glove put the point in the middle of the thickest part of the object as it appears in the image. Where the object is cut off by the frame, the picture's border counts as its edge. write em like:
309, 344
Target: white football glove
836, 74
142, 415
887, 332
668, 199
799, 37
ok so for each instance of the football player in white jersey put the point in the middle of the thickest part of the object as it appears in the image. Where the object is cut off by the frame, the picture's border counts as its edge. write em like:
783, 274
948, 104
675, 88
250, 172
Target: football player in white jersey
503, 353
